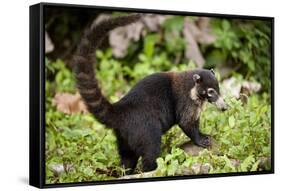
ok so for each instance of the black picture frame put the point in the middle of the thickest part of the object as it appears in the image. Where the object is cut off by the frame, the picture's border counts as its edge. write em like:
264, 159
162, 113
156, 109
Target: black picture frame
37, 95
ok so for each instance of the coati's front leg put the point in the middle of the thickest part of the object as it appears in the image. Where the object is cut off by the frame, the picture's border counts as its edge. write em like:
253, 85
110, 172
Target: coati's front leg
149, 158
191, 129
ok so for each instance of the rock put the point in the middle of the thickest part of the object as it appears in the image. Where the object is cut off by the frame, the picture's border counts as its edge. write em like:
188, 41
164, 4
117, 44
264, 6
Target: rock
196, 168
237, 87
205, 168
191, 149
57, 169
187, 171
194, 150
141, 175
60, 168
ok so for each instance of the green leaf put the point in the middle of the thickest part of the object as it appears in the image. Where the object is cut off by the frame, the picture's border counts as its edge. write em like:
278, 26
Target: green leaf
231, 121
245, 165
88, 171
255, 166
229, 164
149, 44
168, 157
225, 25
172, 168
174, 23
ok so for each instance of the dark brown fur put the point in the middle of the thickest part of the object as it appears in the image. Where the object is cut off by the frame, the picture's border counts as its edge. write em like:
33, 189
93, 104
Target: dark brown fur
150, 108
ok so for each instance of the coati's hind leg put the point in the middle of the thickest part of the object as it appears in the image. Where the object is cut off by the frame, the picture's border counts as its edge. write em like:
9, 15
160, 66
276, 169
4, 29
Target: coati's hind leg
191, 129
128, 158
151, 151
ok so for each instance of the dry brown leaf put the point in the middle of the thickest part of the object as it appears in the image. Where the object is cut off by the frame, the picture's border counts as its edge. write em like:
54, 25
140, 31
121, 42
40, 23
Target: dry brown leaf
69, 103
192, 50
194, 33
120, 38
153, 21
204, 33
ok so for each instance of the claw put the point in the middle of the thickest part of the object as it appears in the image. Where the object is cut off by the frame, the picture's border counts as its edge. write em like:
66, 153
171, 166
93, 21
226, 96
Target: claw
205, 141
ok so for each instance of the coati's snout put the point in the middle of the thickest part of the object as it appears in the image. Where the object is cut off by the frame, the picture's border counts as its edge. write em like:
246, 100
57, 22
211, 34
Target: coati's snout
207, 88
218, 101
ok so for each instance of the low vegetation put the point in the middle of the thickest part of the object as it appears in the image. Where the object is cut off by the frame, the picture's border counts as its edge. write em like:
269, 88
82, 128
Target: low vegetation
79, 148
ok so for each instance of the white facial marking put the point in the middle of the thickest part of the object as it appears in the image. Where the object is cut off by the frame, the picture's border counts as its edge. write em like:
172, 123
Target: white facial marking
193, 94
198, 113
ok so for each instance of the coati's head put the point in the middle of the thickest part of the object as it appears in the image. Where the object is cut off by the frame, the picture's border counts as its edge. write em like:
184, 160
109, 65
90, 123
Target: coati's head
206, 87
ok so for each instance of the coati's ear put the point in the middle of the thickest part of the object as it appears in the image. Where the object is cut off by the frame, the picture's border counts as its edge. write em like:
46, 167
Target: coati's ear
212, 70
196, 78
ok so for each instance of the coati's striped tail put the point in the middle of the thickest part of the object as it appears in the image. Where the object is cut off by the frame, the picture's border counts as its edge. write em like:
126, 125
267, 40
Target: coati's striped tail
83, 62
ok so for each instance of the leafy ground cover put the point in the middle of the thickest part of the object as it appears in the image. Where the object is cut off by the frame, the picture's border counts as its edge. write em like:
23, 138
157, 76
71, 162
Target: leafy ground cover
78, 148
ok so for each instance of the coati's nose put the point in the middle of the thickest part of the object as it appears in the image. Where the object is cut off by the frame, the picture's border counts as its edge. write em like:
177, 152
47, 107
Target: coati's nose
224, 108
221, 105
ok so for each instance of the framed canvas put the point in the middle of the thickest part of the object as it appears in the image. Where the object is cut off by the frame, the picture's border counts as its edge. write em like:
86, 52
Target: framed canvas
127, 95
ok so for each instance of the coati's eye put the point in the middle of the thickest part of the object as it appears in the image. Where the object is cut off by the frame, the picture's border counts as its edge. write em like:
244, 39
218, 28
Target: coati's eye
211, 92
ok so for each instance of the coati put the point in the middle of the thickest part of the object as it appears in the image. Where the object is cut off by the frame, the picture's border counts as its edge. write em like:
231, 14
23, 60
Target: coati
151, 107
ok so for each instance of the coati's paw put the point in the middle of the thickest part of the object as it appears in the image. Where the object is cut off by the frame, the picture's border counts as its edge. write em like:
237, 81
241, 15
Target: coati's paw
204, 141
